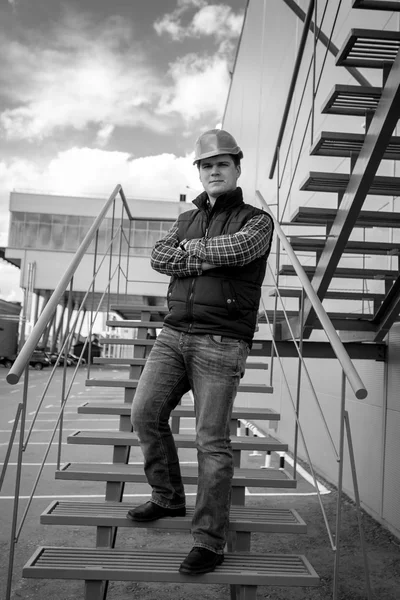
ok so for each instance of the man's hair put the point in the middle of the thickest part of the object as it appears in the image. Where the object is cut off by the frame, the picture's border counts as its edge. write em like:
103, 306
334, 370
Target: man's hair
235, 158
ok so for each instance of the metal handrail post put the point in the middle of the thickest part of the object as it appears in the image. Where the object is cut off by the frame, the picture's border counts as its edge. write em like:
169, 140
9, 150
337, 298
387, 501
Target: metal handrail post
111, 258
10, 445
13, 539
293, 82
358, 504
298, 393
89, 362
314, 72
340, 490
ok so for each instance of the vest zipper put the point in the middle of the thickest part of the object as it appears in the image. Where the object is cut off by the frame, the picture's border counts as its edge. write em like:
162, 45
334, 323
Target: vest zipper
190, 303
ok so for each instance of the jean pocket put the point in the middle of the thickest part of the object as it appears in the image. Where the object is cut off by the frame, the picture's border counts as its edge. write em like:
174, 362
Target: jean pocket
223, 340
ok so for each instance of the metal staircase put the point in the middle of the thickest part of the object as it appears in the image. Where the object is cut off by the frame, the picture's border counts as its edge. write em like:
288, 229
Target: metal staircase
380, 109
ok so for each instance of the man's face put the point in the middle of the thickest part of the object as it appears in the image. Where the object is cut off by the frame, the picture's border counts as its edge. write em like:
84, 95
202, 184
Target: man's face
218, 175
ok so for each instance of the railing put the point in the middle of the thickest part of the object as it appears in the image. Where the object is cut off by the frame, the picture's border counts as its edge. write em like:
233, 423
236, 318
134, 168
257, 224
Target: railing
349, 374
115, 273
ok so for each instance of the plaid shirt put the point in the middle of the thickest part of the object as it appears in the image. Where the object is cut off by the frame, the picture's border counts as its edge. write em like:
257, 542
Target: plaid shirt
232, 250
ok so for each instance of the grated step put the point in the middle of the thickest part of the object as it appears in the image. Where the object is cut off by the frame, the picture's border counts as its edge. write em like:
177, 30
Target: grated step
113, 514
352, 100
129, 324
317, 181
124, 409
345, 272
315, 215
263, 478
332, 294
98, 564
391, 5
336, 143
370, 48
121, 438
304, 244
251, 388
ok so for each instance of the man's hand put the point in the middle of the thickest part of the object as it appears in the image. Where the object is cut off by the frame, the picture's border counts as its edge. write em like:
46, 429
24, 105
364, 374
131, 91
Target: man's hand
205, 266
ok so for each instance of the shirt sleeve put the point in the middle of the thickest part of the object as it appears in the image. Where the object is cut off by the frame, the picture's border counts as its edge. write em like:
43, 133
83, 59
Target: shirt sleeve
167, 257
236, 249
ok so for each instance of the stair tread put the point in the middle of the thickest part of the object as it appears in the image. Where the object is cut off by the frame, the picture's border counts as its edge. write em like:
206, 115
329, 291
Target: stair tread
352, 247
142, 361
137, 324
318, 181
352, 100
139, 565
134, 473
331, 294
181, 440
115, 408
241, 518
366, 218
345, 272
391, 5
343, 144
132, 383
370, 48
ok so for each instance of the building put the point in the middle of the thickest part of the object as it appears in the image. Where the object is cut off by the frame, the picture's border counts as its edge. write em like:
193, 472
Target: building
264, 72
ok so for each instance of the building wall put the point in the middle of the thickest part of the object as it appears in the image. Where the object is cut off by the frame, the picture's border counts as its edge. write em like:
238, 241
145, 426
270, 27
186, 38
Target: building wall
254, 110
47, 230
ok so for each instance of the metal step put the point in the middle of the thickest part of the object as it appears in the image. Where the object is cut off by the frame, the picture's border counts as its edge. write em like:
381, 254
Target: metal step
391, 5
303, 244
122, 438
126, 341
142, 361
332, 294
370, 48
124, 409
314, 215
99, 564
132, 383
126, 323
353, 100
317, 181
113, 514
336, 143
263, 478
346, 273
130, 311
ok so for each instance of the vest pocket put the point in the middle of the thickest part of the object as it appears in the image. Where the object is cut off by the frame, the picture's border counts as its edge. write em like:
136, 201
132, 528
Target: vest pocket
231, 301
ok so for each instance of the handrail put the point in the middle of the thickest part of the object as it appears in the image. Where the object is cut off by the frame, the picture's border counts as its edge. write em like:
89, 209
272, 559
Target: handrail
336, 343
23, 357
295, 74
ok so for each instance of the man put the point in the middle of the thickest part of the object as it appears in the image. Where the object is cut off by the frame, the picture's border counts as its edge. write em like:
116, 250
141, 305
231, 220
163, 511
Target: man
216, 256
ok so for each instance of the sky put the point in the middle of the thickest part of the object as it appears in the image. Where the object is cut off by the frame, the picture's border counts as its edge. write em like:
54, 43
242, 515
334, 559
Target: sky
95, 93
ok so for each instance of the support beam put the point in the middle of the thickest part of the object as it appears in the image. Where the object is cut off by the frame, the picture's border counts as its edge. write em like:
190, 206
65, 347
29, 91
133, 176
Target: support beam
388, 311
361, 179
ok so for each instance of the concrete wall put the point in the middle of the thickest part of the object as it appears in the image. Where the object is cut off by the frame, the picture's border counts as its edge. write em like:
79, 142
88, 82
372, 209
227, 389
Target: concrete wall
253, 114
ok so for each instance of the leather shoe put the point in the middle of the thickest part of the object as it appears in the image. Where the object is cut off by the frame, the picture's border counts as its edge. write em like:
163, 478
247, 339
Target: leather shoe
151, 511
200, 560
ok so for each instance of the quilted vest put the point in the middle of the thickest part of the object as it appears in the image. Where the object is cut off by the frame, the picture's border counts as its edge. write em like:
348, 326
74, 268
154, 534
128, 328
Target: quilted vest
222, 301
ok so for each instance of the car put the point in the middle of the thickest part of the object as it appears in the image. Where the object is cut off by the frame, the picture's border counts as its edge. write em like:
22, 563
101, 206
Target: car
7, 361
53, 356
75, 359
39, 359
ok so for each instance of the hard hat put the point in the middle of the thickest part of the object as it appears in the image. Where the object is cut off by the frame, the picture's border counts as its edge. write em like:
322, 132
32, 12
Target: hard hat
214, 142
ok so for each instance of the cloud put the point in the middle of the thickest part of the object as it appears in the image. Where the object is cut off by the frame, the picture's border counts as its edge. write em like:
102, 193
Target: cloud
199, 87
80, 73
214, 20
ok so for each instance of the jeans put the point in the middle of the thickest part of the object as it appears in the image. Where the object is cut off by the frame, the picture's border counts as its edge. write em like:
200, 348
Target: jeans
212, 369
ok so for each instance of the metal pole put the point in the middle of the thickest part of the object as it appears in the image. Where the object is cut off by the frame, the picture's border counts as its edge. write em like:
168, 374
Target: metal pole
340, 490
358, 505
298, 393
13, 540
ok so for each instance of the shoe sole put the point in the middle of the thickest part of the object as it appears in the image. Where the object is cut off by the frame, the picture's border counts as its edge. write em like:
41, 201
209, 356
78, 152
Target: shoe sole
186, 571
140, 520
